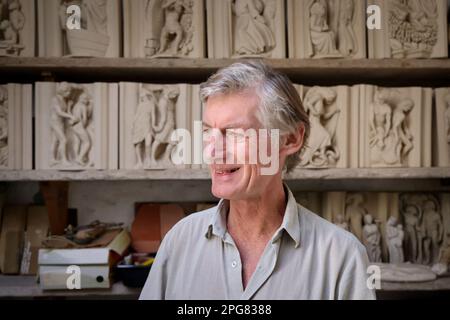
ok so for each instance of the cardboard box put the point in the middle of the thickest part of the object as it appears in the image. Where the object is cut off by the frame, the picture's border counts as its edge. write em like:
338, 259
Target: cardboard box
59, 269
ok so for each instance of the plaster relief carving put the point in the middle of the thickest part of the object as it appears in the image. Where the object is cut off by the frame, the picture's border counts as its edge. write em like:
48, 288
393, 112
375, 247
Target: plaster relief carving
424, 227
441, 134
150, 116
394, 239
16, 28
246, 28
254, 22
395, 127
372, 238
76, 126
327, 29
412, 29
15, 127
164, 28
97, 35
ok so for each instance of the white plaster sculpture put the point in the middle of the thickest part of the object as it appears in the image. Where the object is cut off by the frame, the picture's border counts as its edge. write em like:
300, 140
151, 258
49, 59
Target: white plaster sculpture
372, 239
410, 29
15, 127
97, 35
326, 29
76, 126
355, 212
395, 127
17, 28
405, 272
246, 28
424, 227
442, 129
149, 115
333, 115
164, 28
394, 239
340, 222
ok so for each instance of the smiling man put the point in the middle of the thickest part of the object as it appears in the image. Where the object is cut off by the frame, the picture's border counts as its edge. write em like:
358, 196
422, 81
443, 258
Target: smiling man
257, 243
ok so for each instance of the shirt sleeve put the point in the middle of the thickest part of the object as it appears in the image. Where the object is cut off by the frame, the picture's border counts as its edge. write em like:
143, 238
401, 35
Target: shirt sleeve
353, 285
155, 285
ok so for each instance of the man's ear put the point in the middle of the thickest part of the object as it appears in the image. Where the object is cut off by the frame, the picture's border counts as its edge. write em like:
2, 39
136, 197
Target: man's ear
293, 142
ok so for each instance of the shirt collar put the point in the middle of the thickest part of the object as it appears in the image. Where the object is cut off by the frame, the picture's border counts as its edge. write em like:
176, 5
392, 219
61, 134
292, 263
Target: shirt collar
290, 223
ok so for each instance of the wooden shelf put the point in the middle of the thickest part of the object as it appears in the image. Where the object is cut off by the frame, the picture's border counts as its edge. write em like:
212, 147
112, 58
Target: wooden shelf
389, 72
388, 179
25, 287
203, 174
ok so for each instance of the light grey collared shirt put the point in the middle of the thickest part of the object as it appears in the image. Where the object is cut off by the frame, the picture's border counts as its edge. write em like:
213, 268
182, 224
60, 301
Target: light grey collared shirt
307, 258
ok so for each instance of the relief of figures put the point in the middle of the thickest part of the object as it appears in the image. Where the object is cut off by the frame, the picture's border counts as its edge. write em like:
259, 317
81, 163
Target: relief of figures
372, 238
394, 238
169, 27
153, 125
355, 212
254, 26
331, 29
3, 126
390, 139
12, 22
413, 28
321, 151
92, 39
71, 126
423, 227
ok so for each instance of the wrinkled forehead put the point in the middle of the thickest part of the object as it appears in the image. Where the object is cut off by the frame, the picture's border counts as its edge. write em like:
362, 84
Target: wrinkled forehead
232, 110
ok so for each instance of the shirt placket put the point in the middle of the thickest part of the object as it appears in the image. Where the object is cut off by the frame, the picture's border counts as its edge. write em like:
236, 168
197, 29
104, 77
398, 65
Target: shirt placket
233, 268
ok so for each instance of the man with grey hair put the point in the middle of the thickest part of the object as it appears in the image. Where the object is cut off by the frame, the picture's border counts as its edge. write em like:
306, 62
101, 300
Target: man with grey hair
257, 243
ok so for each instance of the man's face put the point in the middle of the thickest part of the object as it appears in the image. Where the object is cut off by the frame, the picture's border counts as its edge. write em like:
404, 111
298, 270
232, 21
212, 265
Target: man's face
239, 178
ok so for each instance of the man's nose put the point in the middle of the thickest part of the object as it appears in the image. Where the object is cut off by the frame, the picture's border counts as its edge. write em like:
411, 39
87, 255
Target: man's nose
217, 146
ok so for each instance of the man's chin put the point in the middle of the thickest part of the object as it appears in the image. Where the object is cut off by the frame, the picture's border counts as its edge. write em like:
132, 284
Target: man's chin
224, 191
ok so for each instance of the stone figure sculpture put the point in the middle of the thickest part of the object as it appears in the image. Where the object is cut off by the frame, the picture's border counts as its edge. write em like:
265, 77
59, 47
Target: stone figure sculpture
413, 28
143, 133
371, 239
340, 222
254, 26
394, 239
164, 125
390, 139
424, 227
322, 150
153, 125
92, 39
355, 213
82, 113
331, 29
169, 28
70, 117
12, 22
3, 127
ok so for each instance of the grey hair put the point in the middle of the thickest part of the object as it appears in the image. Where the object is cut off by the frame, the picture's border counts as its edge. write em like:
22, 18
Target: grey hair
280, 106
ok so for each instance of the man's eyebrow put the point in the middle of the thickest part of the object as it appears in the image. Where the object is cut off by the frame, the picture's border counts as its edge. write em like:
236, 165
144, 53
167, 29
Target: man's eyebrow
230, 126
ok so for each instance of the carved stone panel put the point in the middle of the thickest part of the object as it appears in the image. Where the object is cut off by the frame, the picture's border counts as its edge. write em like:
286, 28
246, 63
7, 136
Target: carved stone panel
15, 127
326, 29
365, 214
150, 114
410, 29
333, 114
98, 33
164, 28
425, 235
76, 126
246, 28
442, 129
395, 127
17, 28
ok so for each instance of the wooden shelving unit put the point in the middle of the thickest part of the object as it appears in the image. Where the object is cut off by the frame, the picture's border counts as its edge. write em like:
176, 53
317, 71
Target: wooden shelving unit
388, 72
26, 287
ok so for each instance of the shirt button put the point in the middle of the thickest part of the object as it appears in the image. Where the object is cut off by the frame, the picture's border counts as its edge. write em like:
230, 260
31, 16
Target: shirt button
234, 264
